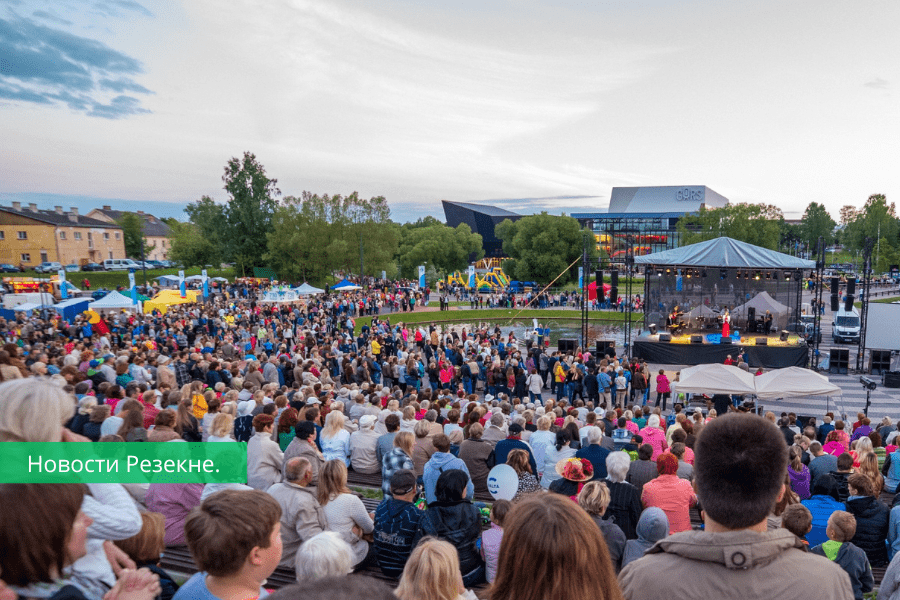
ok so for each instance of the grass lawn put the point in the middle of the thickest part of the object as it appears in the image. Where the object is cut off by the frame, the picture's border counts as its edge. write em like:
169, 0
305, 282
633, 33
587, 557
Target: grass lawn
495, 315
112, 279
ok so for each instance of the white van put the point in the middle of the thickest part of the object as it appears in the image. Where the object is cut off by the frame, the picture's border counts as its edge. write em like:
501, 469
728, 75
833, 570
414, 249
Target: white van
119, 264
845, 326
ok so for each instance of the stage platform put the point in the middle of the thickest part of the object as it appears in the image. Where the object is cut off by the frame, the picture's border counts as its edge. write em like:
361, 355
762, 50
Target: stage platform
775, 354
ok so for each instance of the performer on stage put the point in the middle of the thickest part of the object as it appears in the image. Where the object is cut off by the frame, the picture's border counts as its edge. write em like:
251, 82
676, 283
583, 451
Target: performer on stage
726, 324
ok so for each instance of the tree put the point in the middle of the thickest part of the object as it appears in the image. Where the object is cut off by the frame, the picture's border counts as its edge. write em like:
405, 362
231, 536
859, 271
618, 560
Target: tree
249, 210
313, 236
446, 248
758, 224
542, 246
848, 214
133, 235
189, 247
817, 223
877, 219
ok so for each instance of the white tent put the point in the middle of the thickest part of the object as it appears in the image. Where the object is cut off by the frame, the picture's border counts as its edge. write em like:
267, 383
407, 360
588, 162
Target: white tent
308, 290
347, 288
763, 302
725, 252
194, 278
168, 279
715, 379
702, 311
113, 300
794, 382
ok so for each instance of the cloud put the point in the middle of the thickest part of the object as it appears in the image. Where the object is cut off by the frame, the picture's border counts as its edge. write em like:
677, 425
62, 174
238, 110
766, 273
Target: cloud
878, 84
45, 65
111, 8
43, 14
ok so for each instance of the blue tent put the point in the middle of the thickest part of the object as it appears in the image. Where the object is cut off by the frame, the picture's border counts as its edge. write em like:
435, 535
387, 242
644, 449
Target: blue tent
71, 308
342, 283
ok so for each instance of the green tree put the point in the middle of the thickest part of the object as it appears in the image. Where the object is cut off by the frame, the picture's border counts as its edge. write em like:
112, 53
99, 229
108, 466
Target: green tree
446, 248
248, 211
542, 246
816, 223
877, 219
133, 235
189, 247
758, 224
313, 236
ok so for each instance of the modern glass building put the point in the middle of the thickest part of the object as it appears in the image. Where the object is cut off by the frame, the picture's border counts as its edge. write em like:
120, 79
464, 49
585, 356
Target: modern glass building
645, 219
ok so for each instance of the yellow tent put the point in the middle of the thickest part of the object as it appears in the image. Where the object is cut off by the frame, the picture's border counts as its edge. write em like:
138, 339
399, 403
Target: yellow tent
166, 298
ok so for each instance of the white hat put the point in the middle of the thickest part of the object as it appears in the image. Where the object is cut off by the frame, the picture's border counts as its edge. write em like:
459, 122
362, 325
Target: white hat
367, 421
488, 398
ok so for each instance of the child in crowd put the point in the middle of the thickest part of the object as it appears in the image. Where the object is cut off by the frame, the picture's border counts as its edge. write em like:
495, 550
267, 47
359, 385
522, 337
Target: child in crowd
146, 548
490, 539
797, 519
235, 555
838, 548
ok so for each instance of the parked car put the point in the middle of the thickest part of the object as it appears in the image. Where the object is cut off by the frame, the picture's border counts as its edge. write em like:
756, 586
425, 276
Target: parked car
100, 293
144, 264
92, 267
7, 268
48, 267
119, 264
73, 268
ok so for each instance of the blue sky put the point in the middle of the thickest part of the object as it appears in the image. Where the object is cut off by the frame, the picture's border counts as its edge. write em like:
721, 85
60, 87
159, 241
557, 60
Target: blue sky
539, 105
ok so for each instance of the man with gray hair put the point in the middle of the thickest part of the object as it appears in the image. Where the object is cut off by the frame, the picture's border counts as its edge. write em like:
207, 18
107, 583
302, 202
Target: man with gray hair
363, 445
495, 432
301, 515
324, 555
595, 453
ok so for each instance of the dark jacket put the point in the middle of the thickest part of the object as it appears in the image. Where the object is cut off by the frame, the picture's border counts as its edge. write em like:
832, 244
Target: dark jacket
615, 539
504, 447
596, 455
479, 458
624, 507
396, 524
871, 528
640, 472
853, 560
841, 480
458, 523
76, 425
91, 431
168, 585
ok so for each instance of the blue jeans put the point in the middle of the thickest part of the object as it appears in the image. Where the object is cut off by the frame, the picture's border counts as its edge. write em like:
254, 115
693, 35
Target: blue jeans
535, 398
467, 384
560, 389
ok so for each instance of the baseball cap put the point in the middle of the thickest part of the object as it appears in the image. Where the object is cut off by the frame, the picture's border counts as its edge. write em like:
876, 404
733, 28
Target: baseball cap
403, 482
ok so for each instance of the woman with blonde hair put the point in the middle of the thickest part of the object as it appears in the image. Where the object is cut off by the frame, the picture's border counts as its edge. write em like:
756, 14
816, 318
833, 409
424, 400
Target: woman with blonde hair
541, 440
408, 420
34, 410
594, 498
528, 483
335, 439
222, 428
566, 554
343, 509
432, 573
868, 466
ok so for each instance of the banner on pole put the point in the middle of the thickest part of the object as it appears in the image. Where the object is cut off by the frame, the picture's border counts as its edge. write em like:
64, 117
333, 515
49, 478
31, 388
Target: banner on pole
63, 291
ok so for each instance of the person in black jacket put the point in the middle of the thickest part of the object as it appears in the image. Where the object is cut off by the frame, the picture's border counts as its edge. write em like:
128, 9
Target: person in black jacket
456, 520
872, 518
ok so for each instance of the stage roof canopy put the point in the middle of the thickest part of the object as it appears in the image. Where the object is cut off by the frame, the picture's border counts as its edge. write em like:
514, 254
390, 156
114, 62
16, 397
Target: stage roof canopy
725, 252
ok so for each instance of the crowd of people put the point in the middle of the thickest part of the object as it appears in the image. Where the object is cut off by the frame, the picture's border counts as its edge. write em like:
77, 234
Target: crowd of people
610, 488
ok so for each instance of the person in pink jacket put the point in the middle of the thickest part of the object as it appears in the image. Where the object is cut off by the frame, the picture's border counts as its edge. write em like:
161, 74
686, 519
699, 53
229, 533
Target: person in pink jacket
673, 495
654, 436
663, 390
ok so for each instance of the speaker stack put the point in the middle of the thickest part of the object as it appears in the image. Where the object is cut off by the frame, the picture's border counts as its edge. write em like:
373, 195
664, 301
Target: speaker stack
614, 285
835, 301
851, 294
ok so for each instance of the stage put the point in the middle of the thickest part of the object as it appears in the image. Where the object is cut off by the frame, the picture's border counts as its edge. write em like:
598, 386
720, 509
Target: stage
775, 354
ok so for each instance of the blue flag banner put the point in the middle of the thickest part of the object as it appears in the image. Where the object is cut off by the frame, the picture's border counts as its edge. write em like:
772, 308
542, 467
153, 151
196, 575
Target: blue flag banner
205, 283
133, 287
181, 285
421, 276
471, 276
63, 291
580, 277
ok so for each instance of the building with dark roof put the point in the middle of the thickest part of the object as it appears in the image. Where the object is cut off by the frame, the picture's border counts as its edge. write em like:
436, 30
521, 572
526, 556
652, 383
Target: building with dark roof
645, 219
482, 219
30, 236
155, 231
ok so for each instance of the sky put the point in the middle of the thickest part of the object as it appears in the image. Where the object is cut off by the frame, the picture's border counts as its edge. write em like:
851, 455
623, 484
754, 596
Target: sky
530, 105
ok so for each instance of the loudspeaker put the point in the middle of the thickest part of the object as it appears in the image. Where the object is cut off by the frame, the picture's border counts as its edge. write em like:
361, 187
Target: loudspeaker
762, 341
696, 339
751, 313
614, 278
851, 286
784, 335
839, 361
613, 293
835, 284
726, 340
665, 337
835, 303
567, 345
892, 379
653, 328
598, 275
880, 362
848, 302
